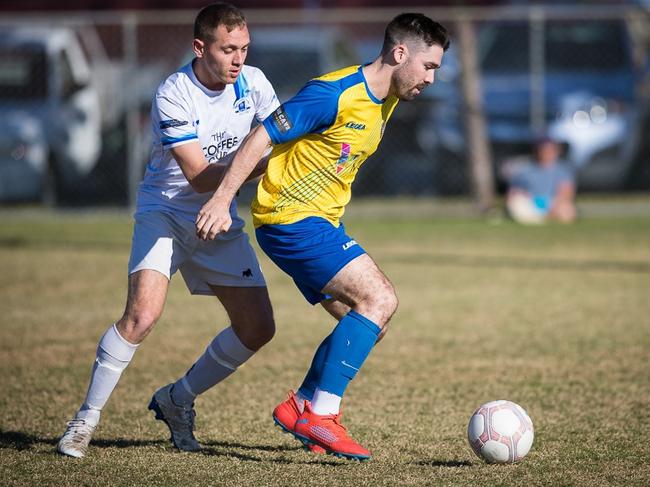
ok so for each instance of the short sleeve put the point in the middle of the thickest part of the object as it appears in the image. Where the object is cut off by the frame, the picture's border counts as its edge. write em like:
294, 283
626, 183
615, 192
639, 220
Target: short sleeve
312, 110
565, 174
173, 122
265, 99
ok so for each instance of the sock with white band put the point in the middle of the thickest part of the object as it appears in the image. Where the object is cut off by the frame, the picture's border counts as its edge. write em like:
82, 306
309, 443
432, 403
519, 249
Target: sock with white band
325, 402
349, 345
114, 353
221, 358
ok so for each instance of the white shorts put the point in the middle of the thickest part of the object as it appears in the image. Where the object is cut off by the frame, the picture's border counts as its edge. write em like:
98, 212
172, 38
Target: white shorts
522, 209
166, 244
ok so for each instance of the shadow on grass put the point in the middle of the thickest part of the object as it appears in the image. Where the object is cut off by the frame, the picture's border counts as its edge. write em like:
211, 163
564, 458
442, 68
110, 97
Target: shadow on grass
20, 441
443, 463
17, 440
227, 444
225, 449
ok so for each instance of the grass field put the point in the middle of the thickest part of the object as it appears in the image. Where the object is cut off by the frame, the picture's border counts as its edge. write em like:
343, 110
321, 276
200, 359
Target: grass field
555, 318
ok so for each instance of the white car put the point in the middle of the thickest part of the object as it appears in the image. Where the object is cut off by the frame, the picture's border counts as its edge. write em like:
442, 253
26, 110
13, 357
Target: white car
51, 124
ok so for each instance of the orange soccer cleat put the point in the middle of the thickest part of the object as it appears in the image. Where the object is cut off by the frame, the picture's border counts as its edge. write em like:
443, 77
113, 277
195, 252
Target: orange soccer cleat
327, 432
285, 415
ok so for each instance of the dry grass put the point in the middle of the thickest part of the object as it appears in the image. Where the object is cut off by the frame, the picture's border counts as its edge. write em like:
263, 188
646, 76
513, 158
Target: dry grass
554, 318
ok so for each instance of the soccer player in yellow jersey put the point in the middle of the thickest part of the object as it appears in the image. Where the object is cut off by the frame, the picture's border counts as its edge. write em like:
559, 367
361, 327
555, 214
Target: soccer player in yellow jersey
320, 138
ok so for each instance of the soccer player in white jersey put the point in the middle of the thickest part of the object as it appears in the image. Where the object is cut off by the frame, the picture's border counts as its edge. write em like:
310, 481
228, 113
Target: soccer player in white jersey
200, 115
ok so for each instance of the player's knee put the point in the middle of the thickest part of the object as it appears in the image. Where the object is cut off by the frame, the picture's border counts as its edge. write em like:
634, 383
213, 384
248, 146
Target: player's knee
257, 333
136, 325
381, 304
386, 301
266, 332
392, 302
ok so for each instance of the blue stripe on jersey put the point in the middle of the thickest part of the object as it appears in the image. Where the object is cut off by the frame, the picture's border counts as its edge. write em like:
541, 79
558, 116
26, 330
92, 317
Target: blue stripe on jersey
173, 140
241, 87
312, 110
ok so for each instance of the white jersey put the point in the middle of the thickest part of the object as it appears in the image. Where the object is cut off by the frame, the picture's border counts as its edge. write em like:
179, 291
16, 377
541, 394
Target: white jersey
185, 111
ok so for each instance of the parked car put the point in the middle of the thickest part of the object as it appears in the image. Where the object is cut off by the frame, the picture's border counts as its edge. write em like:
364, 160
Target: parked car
589, 92
60, 95
51, 121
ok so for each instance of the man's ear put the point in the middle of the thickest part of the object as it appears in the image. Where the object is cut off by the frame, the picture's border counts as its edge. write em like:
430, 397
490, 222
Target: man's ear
198, 46
400, 53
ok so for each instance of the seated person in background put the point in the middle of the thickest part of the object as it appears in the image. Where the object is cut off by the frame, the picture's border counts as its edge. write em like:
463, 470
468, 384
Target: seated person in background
544, 190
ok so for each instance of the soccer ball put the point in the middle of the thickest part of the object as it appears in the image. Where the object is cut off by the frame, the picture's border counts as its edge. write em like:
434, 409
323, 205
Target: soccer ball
500, 432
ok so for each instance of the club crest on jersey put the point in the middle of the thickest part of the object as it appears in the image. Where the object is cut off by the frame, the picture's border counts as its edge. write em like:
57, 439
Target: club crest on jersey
242, 101
242, 105
343, 158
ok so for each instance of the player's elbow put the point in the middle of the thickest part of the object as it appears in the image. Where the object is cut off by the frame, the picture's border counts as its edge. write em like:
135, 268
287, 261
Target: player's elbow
201, 187
201, 184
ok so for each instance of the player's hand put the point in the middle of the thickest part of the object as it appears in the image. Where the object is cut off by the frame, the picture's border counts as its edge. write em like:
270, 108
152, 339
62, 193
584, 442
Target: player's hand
213, 218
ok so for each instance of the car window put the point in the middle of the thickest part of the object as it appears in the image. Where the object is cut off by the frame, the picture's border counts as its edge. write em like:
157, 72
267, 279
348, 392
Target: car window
68, 84
23, 73
569, 46
504, 48
586, 46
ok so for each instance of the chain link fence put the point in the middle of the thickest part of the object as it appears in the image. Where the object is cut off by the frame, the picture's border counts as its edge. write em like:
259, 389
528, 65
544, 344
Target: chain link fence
75, 93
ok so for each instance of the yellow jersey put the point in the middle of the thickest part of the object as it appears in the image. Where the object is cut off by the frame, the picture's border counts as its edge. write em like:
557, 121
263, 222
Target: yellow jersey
321, 137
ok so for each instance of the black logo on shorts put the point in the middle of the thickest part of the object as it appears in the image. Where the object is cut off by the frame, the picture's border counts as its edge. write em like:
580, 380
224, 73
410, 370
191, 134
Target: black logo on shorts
247, 273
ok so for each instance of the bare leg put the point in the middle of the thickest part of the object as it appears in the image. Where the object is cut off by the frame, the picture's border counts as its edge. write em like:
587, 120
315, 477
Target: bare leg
336, 308
363, 287
250, 313
144, 304
564, 212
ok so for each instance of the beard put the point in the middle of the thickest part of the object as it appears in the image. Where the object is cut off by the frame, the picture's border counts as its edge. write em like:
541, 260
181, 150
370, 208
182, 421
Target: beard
405, 87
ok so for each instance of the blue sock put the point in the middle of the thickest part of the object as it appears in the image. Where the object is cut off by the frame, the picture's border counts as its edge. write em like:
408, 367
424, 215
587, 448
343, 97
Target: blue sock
310, 382
349, 345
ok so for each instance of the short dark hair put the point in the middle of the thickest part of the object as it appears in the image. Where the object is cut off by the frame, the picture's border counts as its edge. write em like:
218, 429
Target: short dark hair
414, 26
214, 15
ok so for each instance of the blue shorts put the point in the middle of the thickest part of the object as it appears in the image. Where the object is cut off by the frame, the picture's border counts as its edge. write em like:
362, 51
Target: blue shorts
311, 251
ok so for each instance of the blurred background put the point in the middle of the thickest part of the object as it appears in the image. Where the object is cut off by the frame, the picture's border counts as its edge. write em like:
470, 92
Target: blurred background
77, 78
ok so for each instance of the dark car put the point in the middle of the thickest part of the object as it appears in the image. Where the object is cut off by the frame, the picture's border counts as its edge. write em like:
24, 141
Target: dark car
574, 80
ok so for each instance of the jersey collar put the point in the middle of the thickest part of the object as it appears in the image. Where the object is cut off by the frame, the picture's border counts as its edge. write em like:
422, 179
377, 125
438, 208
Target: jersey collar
365, 82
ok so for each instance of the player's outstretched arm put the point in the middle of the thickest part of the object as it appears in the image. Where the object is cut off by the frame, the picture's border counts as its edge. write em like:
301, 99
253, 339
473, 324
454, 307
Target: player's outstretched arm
214, 216
203, 176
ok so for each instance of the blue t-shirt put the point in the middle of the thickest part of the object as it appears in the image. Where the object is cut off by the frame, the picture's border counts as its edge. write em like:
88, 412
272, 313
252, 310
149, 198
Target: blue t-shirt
542, 182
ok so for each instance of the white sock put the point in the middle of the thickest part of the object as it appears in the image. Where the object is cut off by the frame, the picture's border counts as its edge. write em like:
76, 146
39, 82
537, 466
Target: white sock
113, 355
325, 402
220, 359
300, 401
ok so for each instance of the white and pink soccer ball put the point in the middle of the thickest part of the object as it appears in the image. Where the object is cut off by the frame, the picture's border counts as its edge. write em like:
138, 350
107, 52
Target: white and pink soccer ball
500, 432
